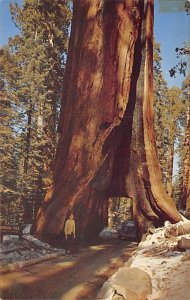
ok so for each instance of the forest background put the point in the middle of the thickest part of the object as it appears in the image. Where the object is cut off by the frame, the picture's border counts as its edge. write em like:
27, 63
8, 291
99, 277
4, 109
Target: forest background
31, 79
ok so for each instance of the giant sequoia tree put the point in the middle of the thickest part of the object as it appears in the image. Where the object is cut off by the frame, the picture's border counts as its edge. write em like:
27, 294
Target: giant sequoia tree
186, 166
107, 144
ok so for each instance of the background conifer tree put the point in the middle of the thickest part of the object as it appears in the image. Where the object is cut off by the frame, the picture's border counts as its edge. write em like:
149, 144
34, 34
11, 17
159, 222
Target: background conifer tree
33, 66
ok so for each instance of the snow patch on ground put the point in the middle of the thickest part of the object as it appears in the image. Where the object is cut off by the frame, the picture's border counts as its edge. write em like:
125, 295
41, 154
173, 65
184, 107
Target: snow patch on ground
108, 233
159, 257
15, 253
162, 260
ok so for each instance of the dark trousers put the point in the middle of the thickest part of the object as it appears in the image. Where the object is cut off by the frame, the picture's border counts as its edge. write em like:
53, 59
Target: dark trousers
71, 244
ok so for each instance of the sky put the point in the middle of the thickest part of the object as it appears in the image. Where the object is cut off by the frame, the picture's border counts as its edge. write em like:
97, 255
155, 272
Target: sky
7, 27
171, 29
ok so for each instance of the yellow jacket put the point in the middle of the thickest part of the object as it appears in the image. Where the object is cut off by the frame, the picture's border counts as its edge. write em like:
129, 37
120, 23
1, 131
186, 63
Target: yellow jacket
69, 227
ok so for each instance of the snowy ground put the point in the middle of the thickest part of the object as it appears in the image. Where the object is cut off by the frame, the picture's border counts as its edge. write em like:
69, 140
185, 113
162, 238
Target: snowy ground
15, 253
158, 270
167, 266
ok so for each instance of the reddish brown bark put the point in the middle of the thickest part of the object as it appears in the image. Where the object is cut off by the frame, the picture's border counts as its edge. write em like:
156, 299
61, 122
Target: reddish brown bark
136, 169
95, 97
187, 212
107, 144
186, 167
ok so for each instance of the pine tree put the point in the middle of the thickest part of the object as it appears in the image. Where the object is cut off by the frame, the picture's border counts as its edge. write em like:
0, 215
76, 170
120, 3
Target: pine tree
184, 147
172, 124
39, 52
160, 111
9, 137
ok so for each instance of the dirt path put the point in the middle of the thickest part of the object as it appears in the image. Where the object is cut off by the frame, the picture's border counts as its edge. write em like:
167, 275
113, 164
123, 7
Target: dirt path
68, 278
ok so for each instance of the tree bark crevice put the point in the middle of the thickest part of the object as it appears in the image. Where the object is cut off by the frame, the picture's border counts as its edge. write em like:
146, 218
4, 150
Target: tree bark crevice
107, 141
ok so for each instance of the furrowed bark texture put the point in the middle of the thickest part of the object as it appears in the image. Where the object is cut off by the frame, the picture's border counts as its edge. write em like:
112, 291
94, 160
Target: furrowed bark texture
96, 91
187, 211
186, 168
136, 167
107, 145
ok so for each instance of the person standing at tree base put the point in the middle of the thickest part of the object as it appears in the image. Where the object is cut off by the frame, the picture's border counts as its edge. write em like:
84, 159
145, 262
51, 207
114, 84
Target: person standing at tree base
70, 236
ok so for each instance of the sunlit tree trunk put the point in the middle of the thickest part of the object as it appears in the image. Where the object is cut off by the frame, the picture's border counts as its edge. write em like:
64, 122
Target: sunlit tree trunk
186, 167
26, 213
169, 174
107, 142
136, 168
187, 212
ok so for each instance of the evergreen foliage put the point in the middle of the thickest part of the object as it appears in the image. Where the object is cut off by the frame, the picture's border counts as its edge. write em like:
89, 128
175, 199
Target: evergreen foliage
160, 110
120, 210
169, 108
183, 148
32, 67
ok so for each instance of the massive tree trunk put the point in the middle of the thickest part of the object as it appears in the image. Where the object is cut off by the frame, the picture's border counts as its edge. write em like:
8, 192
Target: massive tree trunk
136, 168
187, 211
107, 144
186, 167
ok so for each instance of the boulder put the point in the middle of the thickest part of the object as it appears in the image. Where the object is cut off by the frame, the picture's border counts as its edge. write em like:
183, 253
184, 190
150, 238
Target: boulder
177, 229
132, 283
186, 257
107, 291
184, 228
184, 243
187, 213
